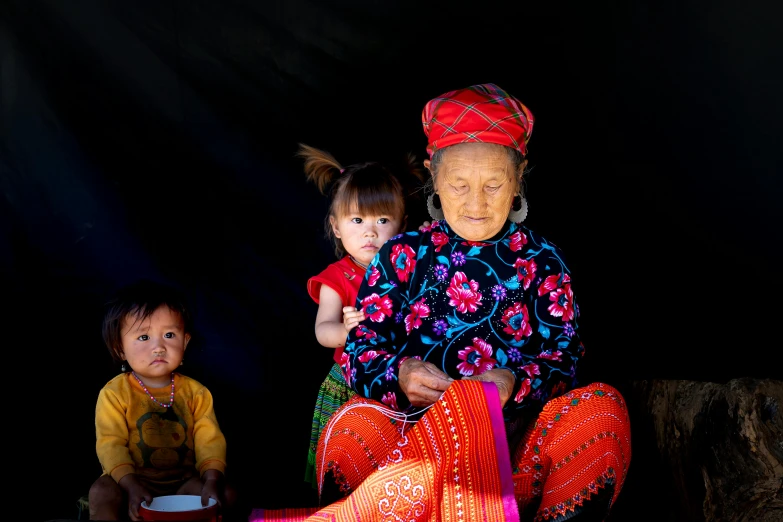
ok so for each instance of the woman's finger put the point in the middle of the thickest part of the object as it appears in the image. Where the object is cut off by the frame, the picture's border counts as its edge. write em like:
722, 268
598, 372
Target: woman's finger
437, 372
424, 396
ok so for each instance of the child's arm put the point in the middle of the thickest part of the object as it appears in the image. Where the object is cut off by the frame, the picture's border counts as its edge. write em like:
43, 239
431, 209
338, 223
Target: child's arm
137, 493
333, 321
213, 485
112, 435
209, 442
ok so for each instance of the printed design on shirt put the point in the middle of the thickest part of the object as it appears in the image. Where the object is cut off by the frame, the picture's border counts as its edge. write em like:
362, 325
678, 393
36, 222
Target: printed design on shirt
163, 439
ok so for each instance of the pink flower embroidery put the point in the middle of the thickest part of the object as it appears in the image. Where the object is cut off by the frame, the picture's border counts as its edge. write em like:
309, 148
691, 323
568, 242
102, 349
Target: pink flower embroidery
363, 331
463, 293
404, 260
418, 311
562, 303
517, 241
375, 274
526, 271
369, 355
524, 389
402, 360
560, 294
551, 282
477, 358
550, 355
345, 364
439, 239
377, 308
390, 399
516, 320
532, 369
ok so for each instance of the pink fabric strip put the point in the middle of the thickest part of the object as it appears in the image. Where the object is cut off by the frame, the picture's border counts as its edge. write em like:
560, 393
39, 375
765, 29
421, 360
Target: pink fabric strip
501, 445
281, 515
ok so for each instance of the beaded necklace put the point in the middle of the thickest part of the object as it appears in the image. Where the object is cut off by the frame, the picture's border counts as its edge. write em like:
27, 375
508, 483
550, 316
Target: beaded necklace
156, 401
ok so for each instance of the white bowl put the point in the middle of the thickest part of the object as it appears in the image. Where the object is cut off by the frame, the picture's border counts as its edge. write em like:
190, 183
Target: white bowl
177, 503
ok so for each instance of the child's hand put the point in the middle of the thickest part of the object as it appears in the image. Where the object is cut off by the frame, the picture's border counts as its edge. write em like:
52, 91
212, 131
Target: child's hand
211, 488
424, 226
352, 317
136, 494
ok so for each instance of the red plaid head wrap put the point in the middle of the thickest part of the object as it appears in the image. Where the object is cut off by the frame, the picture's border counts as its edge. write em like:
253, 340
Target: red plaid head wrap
477, 114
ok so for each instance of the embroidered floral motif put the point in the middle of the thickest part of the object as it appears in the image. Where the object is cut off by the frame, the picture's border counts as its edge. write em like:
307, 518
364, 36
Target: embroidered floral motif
433, 293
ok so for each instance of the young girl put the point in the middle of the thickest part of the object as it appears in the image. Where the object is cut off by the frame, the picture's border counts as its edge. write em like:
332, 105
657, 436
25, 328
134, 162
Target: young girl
368, 206
156, 431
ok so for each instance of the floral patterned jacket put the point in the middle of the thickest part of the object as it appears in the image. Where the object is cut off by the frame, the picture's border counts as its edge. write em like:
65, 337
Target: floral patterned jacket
466, 307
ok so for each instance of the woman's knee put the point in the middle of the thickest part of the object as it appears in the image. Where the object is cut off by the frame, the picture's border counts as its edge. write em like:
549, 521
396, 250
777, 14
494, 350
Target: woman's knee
615, 402
356, 441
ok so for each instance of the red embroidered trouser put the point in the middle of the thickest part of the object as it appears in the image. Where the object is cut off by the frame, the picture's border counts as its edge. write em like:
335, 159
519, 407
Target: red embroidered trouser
453, 464
579, 445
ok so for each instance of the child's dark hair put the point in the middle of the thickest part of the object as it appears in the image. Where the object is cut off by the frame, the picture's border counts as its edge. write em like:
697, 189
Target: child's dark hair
367, 188
139, 300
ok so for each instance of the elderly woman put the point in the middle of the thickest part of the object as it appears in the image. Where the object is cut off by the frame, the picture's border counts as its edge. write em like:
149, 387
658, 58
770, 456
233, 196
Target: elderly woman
465, 365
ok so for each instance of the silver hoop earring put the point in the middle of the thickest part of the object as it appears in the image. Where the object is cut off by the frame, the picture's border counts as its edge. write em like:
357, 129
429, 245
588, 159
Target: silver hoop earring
518, 215
434, 208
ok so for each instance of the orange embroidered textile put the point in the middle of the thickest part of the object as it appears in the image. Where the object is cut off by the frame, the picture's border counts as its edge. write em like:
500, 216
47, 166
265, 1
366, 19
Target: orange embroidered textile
577, 451
452, 465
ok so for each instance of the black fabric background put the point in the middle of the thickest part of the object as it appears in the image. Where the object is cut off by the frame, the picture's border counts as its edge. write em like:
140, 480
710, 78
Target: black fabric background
157, 139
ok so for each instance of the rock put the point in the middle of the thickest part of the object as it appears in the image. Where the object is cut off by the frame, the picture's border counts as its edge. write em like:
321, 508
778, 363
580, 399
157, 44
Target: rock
722, 443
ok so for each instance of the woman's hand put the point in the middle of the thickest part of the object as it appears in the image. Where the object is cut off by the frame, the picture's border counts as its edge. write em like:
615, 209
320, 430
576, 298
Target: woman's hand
422, 382
352, 317
502, 378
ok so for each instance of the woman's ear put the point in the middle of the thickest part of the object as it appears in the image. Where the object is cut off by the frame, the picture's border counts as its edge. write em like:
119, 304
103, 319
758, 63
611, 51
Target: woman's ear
428, 165
521, 173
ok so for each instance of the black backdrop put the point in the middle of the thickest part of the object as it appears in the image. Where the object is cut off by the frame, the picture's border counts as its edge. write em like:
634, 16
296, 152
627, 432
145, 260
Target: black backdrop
157, 139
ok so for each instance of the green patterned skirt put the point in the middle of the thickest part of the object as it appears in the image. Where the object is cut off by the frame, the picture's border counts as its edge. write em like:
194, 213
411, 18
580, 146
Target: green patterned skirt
334, 392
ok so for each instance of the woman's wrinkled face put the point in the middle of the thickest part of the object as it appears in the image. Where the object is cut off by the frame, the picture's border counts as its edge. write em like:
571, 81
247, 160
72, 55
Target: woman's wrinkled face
476, 183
